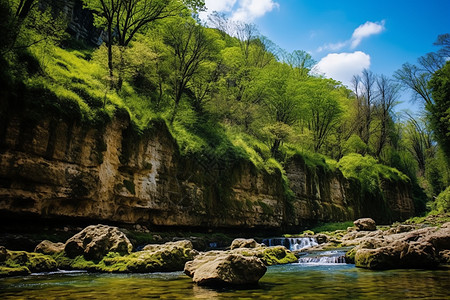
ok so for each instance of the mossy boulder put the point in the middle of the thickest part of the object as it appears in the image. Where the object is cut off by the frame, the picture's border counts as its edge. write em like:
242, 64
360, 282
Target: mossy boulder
276, 255
95, 241
168, 257
23, 263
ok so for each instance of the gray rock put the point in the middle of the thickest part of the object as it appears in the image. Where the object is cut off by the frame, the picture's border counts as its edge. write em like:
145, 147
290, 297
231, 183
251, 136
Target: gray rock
96, 241
226, 269
49, 248
365, 224
244, 243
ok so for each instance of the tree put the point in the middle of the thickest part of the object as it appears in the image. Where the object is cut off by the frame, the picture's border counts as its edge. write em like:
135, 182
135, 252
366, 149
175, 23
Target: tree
24, 23
387, 96
299, 60
322, 98
190, 47
440, 110
281, 102
123, 19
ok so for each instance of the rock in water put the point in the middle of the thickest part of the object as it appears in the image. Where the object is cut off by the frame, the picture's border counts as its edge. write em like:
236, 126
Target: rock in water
227, 269
244, 243
96, 241
365, 224
49, 248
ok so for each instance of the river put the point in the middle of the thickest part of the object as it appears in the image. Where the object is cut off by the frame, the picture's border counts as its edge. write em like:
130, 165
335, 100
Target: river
294, 281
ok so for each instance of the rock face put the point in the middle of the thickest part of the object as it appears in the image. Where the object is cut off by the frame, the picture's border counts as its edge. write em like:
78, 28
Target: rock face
49, 248
365, 224
420, 248
232, 269
58, 169
96, 241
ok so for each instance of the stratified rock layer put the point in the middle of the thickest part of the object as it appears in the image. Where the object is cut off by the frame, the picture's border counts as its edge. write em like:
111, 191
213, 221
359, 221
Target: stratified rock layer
57, 169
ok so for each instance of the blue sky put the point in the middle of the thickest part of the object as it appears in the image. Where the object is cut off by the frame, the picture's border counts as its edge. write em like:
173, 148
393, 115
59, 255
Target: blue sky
390, 32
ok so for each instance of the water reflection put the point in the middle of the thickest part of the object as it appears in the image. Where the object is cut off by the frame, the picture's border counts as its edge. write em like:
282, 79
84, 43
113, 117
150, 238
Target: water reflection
293, 281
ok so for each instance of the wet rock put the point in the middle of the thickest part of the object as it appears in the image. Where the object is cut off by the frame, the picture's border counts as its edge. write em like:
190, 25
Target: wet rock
397, 255
168, 257
393, 249
321, 238
365, 224
34, 262
444, 257
95, 241
243, 243
49, 248
225, 269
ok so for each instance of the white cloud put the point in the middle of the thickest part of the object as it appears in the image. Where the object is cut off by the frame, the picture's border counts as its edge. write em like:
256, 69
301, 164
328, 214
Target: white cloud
342, 66
239, 10
249, 10
220, 5
332, 47
365, 30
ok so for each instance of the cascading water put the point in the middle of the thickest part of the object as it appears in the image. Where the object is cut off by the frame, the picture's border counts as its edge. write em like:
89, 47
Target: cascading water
324, 258
292, 243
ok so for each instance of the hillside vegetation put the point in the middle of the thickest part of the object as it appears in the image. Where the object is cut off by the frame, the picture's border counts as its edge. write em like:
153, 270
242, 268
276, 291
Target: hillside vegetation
223, 90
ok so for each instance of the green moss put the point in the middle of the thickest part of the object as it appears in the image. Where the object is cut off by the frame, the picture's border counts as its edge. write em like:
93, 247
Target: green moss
267, 210
6, 271
34, 262
350, 256
277, 255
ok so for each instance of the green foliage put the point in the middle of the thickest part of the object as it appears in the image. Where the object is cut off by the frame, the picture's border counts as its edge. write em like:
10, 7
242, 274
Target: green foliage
354, 144
368, 171
442, 202
328, 227
440, 109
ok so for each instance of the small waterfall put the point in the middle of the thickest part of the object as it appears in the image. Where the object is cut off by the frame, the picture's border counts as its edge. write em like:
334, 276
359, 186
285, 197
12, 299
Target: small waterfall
292, 243
324, 258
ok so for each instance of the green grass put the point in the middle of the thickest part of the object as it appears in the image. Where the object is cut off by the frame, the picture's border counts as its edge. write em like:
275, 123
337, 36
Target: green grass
328, 227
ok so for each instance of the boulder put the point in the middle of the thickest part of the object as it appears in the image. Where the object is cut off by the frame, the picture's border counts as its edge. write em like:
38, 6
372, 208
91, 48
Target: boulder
167, 257
244, 243
321, 238
95, 241
365, 224
34, 262
225, 269
397, 255
49, 248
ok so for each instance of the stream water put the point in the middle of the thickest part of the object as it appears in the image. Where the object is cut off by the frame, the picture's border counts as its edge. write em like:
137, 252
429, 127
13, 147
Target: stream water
318, 275
314, 280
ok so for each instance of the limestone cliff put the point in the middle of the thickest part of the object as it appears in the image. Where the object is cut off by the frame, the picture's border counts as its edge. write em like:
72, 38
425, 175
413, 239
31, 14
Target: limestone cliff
57, 169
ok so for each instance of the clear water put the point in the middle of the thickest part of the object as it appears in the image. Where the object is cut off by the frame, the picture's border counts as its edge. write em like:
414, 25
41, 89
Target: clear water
294, 281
